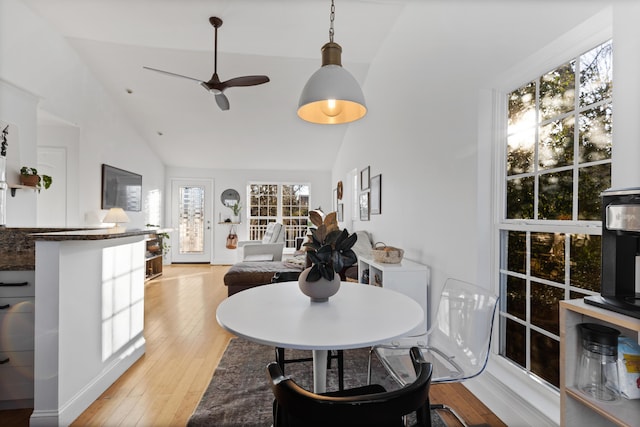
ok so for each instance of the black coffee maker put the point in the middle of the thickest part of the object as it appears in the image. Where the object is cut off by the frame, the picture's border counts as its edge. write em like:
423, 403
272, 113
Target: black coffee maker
620, 251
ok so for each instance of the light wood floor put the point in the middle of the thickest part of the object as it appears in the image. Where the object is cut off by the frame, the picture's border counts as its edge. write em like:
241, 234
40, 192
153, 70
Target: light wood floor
184, 346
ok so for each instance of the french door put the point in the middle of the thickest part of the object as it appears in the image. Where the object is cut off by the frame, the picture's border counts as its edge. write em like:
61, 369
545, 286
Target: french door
191, 210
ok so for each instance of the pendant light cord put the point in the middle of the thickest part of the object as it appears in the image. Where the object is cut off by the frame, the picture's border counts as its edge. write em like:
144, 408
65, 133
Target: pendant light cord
331, 18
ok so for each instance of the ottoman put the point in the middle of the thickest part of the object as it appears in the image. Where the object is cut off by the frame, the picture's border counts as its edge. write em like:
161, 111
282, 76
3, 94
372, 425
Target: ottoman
249, 274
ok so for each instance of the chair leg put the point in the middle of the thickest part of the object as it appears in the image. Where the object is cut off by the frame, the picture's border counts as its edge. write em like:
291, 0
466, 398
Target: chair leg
369, 366
441, 407
340, 370
280, 358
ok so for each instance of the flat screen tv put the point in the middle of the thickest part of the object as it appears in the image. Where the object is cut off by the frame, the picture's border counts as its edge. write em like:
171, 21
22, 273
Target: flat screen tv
121, 189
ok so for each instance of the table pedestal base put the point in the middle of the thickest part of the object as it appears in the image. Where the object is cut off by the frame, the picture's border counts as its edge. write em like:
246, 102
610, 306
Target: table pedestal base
320, 371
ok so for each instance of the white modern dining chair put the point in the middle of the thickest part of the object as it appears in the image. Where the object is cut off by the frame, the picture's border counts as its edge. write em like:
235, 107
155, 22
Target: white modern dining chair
457, 343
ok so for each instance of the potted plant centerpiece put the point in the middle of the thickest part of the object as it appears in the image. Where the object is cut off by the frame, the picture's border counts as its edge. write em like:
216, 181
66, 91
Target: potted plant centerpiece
29, 176
329, 252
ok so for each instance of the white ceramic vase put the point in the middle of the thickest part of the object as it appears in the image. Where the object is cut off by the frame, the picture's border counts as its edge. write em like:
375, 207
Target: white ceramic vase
320, 290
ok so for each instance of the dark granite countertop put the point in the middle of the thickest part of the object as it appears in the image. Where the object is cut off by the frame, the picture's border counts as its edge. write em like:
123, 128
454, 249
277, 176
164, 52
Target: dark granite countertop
18, 245
93, 234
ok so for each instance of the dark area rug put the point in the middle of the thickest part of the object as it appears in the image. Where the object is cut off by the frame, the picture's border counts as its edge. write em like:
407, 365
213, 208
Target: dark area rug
239, 392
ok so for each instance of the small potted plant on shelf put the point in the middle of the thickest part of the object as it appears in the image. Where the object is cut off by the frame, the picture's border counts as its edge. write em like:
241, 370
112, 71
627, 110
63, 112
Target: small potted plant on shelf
236, 209
30, 177
164, 239
329, 251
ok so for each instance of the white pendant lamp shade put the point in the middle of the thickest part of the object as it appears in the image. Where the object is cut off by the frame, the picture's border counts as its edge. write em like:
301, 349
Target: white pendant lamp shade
332, 95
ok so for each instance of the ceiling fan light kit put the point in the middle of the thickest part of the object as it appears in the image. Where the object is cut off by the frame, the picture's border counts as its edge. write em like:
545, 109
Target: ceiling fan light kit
214, 85
332, 95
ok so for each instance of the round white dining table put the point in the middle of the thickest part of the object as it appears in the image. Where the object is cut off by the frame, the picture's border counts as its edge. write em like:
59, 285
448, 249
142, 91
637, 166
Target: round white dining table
280, 315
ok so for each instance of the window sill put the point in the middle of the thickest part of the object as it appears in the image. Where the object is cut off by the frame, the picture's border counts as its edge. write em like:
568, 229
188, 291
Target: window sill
510, 392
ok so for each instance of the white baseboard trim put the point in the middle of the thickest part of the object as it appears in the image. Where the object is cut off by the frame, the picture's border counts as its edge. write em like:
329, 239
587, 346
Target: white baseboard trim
507, 404
75, 406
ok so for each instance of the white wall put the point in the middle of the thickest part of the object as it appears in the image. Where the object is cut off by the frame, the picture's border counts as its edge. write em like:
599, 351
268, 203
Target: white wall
320, 187
41, 75
422, 134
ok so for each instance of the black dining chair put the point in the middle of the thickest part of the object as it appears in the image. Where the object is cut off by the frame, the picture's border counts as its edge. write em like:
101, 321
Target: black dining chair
369, 405
337, 355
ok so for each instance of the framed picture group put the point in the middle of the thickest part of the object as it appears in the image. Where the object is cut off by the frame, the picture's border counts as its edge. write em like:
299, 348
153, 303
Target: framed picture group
370, 200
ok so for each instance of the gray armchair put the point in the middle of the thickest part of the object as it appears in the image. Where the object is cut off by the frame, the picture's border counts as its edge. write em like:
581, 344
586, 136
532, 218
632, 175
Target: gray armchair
268, 249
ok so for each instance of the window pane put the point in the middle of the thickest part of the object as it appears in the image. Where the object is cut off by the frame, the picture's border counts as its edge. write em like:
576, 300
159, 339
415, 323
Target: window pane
592, 181
515, 342
522, 108
520, 198
556, 144
557, 91
576, 295
585, 261
191, 220
516, 297
517, 252
556, 195
596, 76
545, 299
520, 152
295, 213
521, 130
595, 134
545, 358
547, 256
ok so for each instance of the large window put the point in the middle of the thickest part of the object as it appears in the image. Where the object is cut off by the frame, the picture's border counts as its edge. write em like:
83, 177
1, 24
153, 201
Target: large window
557, 162
284, 203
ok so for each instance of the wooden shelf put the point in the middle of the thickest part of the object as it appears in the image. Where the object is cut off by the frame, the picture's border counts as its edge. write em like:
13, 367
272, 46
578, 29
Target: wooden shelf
576, 408
153, 258
14, 187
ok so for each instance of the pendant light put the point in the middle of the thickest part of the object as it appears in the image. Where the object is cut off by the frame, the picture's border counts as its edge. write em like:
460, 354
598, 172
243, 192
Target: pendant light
332, 95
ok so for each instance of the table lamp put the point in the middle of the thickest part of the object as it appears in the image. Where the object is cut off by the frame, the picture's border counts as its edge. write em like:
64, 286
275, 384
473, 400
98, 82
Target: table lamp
117, 216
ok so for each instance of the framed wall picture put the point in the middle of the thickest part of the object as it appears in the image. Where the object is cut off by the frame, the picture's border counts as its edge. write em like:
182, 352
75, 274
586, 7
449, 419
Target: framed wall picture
375, 195
364, 206
340, 212
364, 178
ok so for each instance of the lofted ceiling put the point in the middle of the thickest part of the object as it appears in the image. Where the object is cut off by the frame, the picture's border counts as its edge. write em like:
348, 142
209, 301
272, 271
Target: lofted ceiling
280, 39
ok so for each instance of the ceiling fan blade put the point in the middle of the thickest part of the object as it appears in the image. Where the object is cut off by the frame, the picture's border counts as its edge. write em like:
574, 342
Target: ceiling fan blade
245, 81
222, 101
172, 74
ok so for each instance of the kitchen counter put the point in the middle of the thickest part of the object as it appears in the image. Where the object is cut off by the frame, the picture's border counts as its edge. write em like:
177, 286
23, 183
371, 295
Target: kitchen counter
18, 247
89, 317
94, 234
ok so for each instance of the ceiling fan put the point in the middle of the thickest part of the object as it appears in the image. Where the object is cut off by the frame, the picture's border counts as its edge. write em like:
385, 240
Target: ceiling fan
214, 85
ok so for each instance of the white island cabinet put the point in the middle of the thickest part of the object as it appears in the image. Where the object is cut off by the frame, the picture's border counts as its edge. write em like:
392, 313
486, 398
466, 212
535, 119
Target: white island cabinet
89, 318
576, 408
16, 339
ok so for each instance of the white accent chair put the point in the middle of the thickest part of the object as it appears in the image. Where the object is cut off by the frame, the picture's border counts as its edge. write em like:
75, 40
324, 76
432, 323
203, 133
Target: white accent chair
268, 249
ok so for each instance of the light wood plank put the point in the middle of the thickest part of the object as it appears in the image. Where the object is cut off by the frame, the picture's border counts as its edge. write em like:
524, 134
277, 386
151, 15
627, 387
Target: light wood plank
184, 346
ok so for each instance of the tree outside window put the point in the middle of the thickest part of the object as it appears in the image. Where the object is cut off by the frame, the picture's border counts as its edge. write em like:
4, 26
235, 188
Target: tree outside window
558, 161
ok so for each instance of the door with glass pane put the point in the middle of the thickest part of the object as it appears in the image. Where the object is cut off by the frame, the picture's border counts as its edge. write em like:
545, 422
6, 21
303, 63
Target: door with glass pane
191, 207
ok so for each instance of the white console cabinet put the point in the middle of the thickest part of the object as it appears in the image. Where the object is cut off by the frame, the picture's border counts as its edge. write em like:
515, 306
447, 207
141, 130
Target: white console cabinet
576, 408
409, 278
